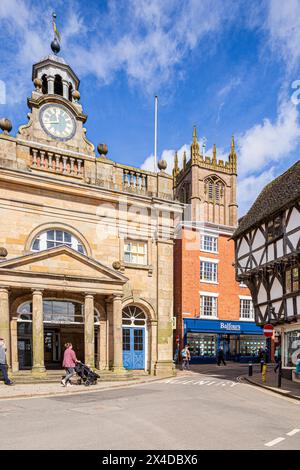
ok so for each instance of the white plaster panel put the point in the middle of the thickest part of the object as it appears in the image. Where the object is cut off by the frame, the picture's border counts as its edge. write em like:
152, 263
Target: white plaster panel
258, 241
262, 294
276, 289
289, 306
271, 252
294, 221
279, 247
244, 248
257, 255
294, 239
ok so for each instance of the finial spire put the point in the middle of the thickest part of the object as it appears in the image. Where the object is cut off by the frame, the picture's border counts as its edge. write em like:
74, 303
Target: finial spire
194, 135
55, 44
214, 159
176, 166
232, 143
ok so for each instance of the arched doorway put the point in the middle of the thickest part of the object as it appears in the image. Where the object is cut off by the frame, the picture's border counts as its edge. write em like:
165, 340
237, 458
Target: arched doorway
134, 324
63, 322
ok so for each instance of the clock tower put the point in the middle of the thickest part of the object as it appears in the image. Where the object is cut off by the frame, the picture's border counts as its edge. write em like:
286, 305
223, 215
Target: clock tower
56, 118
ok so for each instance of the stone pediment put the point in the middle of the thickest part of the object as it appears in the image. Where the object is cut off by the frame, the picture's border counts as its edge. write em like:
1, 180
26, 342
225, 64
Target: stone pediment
65, 262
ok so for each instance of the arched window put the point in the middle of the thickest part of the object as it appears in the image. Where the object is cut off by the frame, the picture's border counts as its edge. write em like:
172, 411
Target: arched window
133, 316
44, 84
58, 86
53, 238
214, 189
70, 92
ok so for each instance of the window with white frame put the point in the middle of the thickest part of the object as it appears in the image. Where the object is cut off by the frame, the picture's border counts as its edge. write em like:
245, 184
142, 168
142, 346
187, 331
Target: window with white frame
208, 306
246, 309
135, 252
53, 238
209, 243
208, 271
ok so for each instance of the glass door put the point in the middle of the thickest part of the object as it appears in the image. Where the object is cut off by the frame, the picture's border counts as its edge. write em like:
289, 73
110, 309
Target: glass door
134, 348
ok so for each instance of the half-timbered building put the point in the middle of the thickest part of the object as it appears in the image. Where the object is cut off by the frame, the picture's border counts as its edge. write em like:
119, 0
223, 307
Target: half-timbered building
267, 246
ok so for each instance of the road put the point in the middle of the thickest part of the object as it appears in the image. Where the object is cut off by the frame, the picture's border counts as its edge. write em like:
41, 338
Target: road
188, 412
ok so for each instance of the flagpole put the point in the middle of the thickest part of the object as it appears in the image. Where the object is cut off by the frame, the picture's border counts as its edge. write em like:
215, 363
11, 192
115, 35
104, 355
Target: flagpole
155, 133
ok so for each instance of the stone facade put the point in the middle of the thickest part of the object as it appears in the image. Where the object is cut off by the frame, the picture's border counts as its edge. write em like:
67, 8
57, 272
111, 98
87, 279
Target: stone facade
52, 186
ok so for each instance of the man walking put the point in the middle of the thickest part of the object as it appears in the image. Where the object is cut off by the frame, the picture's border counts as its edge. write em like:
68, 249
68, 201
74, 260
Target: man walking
3, 362
221, 357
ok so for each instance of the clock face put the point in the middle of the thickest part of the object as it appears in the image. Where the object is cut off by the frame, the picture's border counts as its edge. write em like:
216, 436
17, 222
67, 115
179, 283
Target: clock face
57, 122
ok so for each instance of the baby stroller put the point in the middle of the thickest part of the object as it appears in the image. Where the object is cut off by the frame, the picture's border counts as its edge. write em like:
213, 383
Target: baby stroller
86, 375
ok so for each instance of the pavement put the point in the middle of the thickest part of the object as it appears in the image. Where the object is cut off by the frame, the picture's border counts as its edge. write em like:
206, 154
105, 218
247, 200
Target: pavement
206, 408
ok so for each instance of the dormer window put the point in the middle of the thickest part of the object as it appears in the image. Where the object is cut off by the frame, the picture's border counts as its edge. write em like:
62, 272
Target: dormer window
58, 86
275, 228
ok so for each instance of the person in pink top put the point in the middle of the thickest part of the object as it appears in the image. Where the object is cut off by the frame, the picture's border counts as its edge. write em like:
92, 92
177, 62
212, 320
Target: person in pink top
69, 362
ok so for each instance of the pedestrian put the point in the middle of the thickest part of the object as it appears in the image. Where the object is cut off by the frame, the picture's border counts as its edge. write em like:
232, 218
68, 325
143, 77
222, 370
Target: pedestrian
3, 362
69, 362
277, 357
186, 357
220, 357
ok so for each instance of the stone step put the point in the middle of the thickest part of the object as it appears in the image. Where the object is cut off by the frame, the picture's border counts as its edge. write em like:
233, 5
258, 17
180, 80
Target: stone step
26, 377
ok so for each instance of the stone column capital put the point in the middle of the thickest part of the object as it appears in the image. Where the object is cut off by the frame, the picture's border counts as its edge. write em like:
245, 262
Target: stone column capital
4, 289
37, 291
89, 295
117, 297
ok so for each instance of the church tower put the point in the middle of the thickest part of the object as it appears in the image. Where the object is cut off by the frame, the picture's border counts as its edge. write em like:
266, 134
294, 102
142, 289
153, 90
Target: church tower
208, 185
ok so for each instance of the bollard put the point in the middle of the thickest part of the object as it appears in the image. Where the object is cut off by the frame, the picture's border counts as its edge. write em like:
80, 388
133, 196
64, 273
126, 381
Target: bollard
261, 365
250, 371
279, 375
264, 373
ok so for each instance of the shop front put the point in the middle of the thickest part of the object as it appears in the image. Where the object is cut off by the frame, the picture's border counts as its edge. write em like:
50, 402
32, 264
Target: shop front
241, 341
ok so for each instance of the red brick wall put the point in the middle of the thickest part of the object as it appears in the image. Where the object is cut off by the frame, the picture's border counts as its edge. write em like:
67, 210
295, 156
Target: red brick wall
187, 278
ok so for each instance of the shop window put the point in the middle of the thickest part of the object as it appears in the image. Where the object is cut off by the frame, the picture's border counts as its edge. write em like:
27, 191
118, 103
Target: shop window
292, 279
209, 243
292, 348
135, 252
202, 345
246, 309
251, 345
53, 238
56, 311
208, 305
208, 271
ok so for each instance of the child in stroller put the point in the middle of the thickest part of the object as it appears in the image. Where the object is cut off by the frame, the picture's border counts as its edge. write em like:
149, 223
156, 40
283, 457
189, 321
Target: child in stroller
86, 375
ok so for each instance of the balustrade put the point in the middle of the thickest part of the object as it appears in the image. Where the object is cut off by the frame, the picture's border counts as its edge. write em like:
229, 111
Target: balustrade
56, 163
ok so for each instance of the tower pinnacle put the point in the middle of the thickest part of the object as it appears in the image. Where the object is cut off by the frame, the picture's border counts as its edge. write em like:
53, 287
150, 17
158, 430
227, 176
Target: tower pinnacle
55, 44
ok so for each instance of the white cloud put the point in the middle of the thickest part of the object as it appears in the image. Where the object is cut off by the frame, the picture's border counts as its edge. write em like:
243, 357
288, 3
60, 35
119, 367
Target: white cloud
283, 24
269, 141
249, 188
167, 155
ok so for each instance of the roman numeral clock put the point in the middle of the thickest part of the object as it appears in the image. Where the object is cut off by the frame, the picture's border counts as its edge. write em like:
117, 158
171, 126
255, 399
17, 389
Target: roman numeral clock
57, 122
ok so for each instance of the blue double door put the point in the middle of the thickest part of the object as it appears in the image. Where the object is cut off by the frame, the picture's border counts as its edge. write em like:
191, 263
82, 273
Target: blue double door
134, 348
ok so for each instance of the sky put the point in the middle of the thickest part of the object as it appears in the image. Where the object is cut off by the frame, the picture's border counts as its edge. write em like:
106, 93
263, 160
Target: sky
230, 67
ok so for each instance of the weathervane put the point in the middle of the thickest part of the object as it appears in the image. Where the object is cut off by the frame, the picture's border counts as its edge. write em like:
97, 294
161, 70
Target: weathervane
55, 44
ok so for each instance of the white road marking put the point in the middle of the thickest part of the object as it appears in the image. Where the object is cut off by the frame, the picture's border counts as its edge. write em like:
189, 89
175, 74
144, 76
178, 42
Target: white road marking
274, 442
291, 433
215, 383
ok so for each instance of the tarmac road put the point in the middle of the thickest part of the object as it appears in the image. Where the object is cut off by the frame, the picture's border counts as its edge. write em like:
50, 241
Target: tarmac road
188, 412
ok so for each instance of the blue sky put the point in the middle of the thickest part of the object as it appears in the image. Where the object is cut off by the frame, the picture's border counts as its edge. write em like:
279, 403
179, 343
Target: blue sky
226, 66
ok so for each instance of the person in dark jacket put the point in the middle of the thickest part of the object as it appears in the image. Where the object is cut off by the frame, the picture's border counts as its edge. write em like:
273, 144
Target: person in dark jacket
221, 357
3, 362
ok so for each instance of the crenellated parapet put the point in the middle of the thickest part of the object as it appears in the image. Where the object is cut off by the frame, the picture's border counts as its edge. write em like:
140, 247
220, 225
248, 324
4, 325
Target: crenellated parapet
204, 161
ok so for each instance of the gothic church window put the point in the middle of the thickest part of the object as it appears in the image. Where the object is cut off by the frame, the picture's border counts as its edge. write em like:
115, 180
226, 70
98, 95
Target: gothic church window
214, 189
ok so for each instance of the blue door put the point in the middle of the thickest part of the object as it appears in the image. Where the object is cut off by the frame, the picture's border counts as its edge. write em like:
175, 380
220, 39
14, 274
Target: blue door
134, 348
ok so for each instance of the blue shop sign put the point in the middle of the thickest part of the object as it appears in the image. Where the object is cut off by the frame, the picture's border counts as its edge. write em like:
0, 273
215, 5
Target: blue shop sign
197, 325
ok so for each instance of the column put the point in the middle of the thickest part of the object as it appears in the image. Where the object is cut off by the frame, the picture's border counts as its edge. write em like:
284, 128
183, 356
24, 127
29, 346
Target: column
4, 320
65, 89
14, 345
50, 81
109, 332
89, 330
102, 347
117, 335
38, 366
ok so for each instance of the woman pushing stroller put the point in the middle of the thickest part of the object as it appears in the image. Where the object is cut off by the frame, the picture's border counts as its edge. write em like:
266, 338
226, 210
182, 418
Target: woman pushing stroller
69, 362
